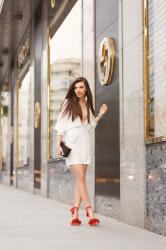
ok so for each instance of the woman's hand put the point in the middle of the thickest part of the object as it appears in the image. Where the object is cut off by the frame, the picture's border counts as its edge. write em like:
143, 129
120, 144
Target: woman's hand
103, 109
101, 113
59, 151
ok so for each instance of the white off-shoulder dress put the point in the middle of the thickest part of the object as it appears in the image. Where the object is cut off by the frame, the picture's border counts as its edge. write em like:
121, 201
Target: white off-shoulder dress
77, 136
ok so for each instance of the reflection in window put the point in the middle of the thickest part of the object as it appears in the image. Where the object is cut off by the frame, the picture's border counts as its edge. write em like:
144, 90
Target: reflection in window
4, 99
157, 71
65, 60
24, 121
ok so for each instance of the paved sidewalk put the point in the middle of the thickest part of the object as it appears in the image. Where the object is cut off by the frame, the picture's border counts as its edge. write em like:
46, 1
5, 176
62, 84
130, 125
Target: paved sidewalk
31, 222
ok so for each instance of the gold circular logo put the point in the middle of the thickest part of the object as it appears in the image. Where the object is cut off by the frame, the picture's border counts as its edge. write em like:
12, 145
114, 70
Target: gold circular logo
106, 60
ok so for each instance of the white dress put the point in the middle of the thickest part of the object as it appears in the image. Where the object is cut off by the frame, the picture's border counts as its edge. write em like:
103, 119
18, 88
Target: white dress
77, 136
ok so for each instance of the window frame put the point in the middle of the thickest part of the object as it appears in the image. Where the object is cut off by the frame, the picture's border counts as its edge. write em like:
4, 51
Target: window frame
148, 138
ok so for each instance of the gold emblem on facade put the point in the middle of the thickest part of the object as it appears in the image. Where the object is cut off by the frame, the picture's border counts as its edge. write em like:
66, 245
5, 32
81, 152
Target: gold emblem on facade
24, 53
37, 115
106, 60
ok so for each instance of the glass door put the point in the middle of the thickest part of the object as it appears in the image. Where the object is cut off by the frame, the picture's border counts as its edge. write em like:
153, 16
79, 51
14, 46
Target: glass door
4, 132
65, 48
23, 121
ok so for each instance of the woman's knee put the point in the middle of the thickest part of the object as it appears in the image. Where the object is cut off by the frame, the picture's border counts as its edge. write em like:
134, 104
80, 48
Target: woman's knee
79, 172
81, 178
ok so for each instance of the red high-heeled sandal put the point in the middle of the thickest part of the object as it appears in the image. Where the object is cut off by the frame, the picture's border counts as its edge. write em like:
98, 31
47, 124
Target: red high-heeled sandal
93, 221
76, 221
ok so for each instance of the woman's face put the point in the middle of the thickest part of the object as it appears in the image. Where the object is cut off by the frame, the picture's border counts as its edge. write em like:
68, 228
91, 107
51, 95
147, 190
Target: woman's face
80, 89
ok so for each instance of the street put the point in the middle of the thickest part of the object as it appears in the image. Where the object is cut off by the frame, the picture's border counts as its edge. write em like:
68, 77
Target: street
31, 222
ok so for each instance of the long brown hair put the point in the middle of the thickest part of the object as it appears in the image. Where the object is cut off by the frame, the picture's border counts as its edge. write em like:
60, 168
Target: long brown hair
72, 106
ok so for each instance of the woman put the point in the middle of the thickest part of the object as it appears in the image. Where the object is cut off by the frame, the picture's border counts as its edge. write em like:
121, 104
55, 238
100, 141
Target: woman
76, 118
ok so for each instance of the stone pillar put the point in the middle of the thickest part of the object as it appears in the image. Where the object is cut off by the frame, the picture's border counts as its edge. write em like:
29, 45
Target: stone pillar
0, 140
88, 70
132, 149
44, 101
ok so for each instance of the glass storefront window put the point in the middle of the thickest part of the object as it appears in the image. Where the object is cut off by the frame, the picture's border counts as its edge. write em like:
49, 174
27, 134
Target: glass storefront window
24, 121
157, 72
65, 65
4, 134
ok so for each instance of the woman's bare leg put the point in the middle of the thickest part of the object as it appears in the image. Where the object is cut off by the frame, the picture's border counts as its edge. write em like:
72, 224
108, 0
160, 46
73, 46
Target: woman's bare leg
79, 172
78, 198
81, 187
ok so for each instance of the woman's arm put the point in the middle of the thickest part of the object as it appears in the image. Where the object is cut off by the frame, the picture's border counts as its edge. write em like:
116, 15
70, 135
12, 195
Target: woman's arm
101, 113
58, 142
98, 117
58, 139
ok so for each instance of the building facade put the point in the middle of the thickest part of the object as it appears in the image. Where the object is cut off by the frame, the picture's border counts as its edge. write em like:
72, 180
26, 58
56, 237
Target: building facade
119, 47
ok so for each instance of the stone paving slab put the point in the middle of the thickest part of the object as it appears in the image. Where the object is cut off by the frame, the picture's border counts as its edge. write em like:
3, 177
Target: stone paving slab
31, 222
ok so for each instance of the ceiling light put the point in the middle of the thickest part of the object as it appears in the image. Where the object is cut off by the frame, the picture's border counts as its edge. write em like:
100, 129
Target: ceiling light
1, 5
53, 2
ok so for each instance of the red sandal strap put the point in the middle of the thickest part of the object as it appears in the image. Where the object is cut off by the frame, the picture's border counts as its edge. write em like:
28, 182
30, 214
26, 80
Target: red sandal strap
75, 221
73, 209
88, 207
